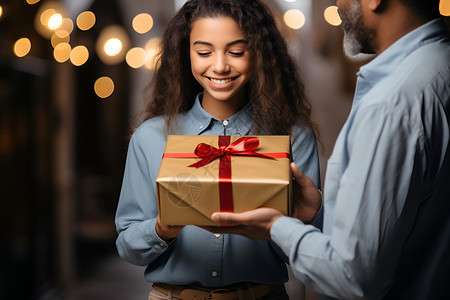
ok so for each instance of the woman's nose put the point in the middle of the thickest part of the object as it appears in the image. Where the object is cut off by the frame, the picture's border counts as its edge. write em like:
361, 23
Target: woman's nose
220, 64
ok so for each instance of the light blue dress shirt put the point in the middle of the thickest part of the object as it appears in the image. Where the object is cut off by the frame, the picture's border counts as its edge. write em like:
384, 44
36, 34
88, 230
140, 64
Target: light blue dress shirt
387, 187
196, 256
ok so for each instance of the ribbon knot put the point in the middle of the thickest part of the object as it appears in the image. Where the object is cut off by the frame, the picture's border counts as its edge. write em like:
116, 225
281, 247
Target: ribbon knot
245, 146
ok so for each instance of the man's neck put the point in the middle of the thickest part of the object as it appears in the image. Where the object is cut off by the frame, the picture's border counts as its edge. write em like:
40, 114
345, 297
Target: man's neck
394, 23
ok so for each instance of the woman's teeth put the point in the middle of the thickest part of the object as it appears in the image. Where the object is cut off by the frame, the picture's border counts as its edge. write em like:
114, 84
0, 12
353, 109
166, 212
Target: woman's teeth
223, 81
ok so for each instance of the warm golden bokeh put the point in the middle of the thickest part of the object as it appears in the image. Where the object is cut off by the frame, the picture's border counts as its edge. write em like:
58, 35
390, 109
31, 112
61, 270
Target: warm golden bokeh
22, 47
142, 23
294, 18
444, 7
60, 36
62, 51
104, 87
152, 50
112, 44
135, 57
79, 55
113, 47
86, 20
331, 15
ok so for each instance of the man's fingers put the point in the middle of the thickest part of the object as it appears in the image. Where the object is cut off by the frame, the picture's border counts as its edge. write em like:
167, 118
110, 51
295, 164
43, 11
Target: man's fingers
223, 218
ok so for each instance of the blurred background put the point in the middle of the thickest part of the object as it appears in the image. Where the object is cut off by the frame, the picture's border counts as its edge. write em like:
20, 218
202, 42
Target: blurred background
72, 74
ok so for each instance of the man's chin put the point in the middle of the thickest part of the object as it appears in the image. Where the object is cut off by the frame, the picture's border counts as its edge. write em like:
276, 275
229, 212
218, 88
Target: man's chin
351, 46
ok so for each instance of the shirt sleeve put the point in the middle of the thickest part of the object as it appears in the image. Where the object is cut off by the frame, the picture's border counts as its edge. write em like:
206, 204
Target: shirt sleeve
356, 259
305, 156
138, 242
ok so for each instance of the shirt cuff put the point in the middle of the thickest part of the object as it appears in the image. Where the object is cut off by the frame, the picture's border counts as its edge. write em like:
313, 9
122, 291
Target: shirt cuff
154, 240
282, 232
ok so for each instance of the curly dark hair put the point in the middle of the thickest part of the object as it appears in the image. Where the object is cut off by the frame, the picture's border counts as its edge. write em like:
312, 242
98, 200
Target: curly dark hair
274, 90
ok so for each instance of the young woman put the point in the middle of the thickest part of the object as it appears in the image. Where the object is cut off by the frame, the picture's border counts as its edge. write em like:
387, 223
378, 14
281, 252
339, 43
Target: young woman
224, 69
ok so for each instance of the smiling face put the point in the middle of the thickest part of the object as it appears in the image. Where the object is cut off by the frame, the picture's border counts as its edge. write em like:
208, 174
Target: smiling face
220, 62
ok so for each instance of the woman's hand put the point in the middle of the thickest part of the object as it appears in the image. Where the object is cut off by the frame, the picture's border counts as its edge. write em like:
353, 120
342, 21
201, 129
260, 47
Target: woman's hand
167, 232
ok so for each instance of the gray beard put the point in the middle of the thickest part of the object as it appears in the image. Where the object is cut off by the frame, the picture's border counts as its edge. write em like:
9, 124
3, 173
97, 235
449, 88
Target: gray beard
356, 37
352, 46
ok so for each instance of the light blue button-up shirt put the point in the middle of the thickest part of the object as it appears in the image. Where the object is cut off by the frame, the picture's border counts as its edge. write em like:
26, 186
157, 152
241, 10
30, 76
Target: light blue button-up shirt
196, 256
387, 187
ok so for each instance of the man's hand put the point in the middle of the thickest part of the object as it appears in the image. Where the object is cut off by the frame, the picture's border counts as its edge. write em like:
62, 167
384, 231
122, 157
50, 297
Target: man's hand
307, 198
165, 232
254, 224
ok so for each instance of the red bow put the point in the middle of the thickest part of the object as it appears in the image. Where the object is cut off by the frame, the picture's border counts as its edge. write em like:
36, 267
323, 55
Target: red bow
244, 146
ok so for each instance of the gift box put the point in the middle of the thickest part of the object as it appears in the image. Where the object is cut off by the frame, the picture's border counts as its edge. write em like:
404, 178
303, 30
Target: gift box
202, 174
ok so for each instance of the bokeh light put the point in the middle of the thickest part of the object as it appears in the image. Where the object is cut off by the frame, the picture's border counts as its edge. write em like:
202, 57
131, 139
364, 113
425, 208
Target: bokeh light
444, 7
86, 20
32, 1
113, 47
294, 18
60, 36
79, 55
22, 47
67, 25
142, 23
104, 87
50, 17
152, 50
62, 52
55, 21
112, 44
1, 11
135, 57
332, 16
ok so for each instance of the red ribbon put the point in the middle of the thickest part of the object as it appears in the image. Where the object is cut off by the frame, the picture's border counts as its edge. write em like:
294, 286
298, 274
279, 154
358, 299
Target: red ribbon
244, 146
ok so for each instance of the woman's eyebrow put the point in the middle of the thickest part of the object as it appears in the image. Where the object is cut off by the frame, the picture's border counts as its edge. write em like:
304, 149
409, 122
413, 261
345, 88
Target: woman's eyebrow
229, 44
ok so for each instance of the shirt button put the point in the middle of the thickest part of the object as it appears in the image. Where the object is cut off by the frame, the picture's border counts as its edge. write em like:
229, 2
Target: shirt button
161, 244
225, 122
217, 235
214, 274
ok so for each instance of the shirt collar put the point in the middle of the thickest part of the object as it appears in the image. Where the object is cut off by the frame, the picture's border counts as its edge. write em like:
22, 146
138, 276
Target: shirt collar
388, 60
202, 119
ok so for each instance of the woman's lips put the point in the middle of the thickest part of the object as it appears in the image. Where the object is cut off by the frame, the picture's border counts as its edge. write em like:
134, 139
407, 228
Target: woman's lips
221, 82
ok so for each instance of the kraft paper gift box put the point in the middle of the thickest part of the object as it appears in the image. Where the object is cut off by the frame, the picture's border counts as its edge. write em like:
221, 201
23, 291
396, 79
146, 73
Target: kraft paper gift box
202, 174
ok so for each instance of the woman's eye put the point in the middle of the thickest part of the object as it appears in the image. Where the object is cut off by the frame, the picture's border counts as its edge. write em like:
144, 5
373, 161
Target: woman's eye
237, 53
203, 53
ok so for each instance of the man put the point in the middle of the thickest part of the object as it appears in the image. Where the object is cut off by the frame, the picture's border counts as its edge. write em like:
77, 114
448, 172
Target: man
386, 231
